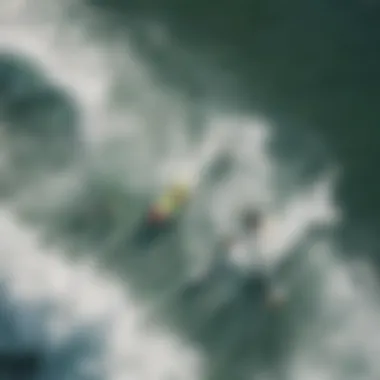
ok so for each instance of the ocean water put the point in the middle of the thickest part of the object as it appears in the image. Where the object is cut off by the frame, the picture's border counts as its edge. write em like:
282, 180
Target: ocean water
90, 135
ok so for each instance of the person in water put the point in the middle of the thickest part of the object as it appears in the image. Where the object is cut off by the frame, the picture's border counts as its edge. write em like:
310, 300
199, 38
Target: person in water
162, 215
232, 264
258, 277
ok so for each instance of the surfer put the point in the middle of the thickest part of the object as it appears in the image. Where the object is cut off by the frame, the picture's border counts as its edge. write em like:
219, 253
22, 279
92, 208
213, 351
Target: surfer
238, 263
244, 251
162, 215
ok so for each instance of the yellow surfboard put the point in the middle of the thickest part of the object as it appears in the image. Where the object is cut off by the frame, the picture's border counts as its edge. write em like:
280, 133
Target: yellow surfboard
171, 201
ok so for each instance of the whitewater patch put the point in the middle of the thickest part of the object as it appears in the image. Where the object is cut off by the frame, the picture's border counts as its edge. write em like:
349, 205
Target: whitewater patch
126, 116
146, 126
130, 344
250, 182
343, 340
335, 315
41, 40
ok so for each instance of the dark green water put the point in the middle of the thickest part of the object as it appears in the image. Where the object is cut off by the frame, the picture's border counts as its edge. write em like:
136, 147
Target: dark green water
305, 64
310, 67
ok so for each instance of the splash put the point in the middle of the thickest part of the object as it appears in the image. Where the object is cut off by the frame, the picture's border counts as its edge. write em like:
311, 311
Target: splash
81, 304
142, 137
76, 296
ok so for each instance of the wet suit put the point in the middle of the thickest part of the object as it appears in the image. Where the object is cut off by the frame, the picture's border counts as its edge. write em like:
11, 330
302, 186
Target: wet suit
160, 220
150, 230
